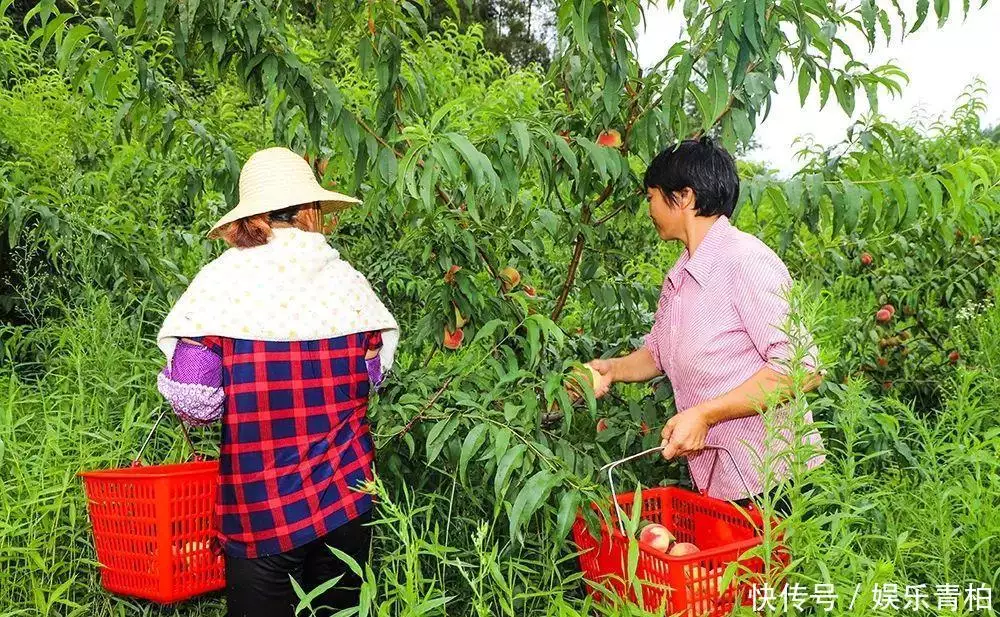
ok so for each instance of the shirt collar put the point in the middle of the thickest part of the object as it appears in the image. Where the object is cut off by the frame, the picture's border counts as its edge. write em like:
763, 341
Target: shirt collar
700, 265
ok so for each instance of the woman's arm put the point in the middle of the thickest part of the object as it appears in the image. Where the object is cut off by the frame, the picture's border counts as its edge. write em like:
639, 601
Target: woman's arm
192, 383
685, 432
636, 367
373, 361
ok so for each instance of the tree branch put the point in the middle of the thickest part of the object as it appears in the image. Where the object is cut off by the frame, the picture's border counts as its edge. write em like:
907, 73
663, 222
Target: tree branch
574, 263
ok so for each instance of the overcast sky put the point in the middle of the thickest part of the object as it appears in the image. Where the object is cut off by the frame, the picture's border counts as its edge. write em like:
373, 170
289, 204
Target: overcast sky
940, 64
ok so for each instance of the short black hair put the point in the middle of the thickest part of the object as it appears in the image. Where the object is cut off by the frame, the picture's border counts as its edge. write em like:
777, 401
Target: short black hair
701, 165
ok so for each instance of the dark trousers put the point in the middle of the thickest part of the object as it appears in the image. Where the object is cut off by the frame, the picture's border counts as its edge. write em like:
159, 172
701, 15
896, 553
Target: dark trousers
262, 587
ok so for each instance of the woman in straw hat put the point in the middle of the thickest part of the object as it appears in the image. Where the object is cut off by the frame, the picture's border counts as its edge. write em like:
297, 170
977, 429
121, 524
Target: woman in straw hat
281, 340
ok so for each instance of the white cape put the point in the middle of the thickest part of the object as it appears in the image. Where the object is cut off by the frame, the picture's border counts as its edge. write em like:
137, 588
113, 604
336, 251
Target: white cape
294, 288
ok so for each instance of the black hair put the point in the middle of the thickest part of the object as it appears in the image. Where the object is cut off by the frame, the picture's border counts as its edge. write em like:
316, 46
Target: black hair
286, 215
702, 166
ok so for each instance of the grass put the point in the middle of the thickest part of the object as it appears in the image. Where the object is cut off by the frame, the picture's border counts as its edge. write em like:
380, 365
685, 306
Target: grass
905, 497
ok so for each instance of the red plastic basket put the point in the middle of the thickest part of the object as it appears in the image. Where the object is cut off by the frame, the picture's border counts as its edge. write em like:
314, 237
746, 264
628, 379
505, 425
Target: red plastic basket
688, 585
153, 530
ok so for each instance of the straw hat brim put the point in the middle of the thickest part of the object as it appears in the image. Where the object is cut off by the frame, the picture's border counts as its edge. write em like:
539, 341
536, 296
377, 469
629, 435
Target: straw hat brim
329, 201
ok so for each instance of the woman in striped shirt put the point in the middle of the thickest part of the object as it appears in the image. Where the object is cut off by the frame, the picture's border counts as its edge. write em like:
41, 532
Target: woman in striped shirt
719, 333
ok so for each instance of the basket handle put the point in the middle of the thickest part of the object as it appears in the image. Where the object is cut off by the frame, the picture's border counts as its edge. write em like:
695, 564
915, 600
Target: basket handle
611, 481
187, 437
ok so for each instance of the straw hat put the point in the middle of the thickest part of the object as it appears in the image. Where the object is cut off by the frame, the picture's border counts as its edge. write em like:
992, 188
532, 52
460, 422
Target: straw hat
277, 178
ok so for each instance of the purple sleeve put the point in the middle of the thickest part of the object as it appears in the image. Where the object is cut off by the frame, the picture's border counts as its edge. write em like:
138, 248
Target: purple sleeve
375, 375
193, 384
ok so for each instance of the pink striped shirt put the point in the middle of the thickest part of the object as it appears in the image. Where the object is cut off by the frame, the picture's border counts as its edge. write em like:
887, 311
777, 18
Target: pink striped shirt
721, 318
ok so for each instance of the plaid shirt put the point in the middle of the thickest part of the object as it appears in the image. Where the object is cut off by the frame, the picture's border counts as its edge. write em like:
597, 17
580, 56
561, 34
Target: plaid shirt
295, 440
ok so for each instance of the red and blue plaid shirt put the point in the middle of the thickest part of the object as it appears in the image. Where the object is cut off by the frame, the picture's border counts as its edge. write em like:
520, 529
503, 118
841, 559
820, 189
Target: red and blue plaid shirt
295, 440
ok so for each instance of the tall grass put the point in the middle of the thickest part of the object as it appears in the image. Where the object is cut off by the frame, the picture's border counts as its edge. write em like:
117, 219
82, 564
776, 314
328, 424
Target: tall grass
905, 497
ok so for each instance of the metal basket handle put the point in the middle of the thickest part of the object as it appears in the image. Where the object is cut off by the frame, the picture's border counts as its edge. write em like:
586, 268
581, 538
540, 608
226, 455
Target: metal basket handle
136, 461
611, 481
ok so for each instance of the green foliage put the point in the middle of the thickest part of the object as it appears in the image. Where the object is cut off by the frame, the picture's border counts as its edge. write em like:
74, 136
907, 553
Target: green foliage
929, 230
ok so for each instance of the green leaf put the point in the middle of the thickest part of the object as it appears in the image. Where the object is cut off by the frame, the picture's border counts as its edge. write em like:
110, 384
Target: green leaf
388, 166
188, 11
473, 157
825, 81
913, 200
473, 441
611, 94
883, 18
597, 156
505, 467
536, 490
520, 130
567, 155
438, 436
751, 26
922, 8
306, 599
935, 192
852, 205
845, 94
941, 9
534, 340
76, 34
703, 104
488, 329
741, 125
718, 93
568, 506
868, 19
805, 81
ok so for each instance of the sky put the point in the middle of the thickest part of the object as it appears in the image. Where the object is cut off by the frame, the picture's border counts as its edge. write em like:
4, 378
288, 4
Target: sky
940, 63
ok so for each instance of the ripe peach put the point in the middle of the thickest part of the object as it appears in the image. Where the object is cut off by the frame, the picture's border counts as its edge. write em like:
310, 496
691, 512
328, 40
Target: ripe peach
705, 580
610, 139
656, 536
449, 276
883, 315
890, 308
590, 376
698, 577
953, 357
511, 277
453, 340
683, 548
866, 259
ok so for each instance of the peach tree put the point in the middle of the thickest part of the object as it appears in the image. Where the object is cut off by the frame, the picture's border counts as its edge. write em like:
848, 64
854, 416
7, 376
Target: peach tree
921, 262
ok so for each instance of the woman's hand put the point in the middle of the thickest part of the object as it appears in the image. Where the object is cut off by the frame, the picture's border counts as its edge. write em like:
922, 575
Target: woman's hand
602, 374
685, 433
